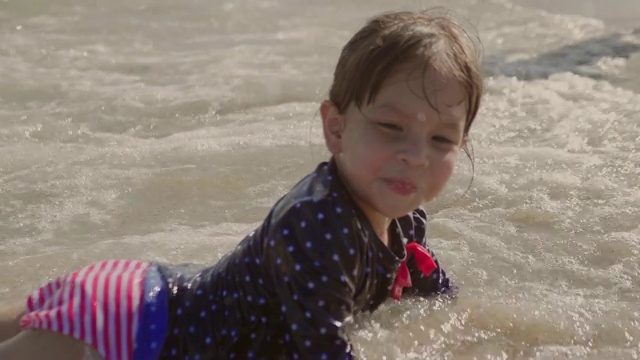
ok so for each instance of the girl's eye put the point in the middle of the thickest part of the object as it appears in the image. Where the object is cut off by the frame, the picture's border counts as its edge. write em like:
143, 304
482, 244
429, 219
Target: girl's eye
442, 140
390, 126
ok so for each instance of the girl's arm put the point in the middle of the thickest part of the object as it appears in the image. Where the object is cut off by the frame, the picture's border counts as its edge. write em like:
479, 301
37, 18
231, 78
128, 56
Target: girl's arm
37, 344
312, 262
46, 345
10, 321
435, 283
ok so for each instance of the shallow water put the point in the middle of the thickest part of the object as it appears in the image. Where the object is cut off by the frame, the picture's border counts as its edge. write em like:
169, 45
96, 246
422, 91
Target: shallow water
157, 129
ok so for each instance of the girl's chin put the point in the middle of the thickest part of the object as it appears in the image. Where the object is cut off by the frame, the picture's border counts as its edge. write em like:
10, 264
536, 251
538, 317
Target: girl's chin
398, 213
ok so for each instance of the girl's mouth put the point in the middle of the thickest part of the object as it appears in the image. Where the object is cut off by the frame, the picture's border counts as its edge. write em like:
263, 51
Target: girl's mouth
401, 187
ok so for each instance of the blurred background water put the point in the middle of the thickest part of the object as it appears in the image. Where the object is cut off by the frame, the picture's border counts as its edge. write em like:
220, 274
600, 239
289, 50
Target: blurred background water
165, 130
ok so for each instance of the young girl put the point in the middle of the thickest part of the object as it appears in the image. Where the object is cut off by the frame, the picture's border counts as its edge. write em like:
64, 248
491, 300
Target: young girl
405, 92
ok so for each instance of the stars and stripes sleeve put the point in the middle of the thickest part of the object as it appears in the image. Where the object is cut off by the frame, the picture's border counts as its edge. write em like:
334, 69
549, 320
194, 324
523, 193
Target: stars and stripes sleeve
97, 304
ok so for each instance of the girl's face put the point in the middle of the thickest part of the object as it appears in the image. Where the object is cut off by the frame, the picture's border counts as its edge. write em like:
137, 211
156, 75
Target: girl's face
399, 151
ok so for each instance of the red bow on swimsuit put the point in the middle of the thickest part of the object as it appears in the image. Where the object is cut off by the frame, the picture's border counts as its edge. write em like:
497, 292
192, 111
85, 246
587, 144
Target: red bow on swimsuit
424, 262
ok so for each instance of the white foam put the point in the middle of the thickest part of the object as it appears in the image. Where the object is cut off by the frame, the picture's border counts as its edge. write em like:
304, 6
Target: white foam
182, 133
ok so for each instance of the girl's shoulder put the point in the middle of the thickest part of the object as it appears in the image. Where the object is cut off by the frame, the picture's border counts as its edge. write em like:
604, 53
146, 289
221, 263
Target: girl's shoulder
320, 190
414, 226
419, 214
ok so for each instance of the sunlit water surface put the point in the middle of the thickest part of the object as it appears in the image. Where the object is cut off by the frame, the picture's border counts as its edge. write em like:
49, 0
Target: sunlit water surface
165, 130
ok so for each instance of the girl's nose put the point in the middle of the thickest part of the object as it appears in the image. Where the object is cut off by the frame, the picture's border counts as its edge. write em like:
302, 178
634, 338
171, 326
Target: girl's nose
415, 153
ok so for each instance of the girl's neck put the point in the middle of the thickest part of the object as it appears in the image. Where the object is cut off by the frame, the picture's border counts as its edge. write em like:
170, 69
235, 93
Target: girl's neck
383, 231
379, 223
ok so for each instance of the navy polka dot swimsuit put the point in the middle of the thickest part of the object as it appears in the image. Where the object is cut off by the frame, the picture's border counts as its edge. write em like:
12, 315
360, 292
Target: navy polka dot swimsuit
288, 287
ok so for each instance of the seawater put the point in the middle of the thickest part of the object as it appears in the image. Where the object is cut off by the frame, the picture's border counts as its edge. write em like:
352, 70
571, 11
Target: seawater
165, 130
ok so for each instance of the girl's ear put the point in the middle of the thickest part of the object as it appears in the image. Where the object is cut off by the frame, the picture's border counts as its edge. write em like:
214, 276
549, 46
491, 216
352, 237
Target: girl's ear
332, 126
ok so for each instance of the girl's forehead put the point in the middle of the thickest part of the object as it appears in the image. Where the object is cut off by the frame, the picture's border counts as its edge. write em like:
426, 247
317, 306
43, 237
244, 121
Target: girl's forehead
426, 77
426, 84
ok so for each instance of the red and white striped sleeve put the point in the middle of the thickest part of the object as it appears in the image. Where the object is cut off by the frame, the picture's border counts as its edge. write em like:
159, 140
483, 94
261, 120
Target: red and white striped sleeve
98, 304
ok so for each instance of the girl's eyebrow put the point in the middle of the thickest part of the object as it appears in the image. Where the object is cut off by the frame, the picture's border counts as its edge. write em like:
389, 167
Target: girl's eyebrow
389, 106
452, 122
392, 108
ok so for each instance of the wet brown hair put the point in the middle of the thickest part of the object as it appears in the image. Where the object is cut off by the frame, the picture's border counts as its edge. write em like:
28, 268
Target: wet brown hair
432, 39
